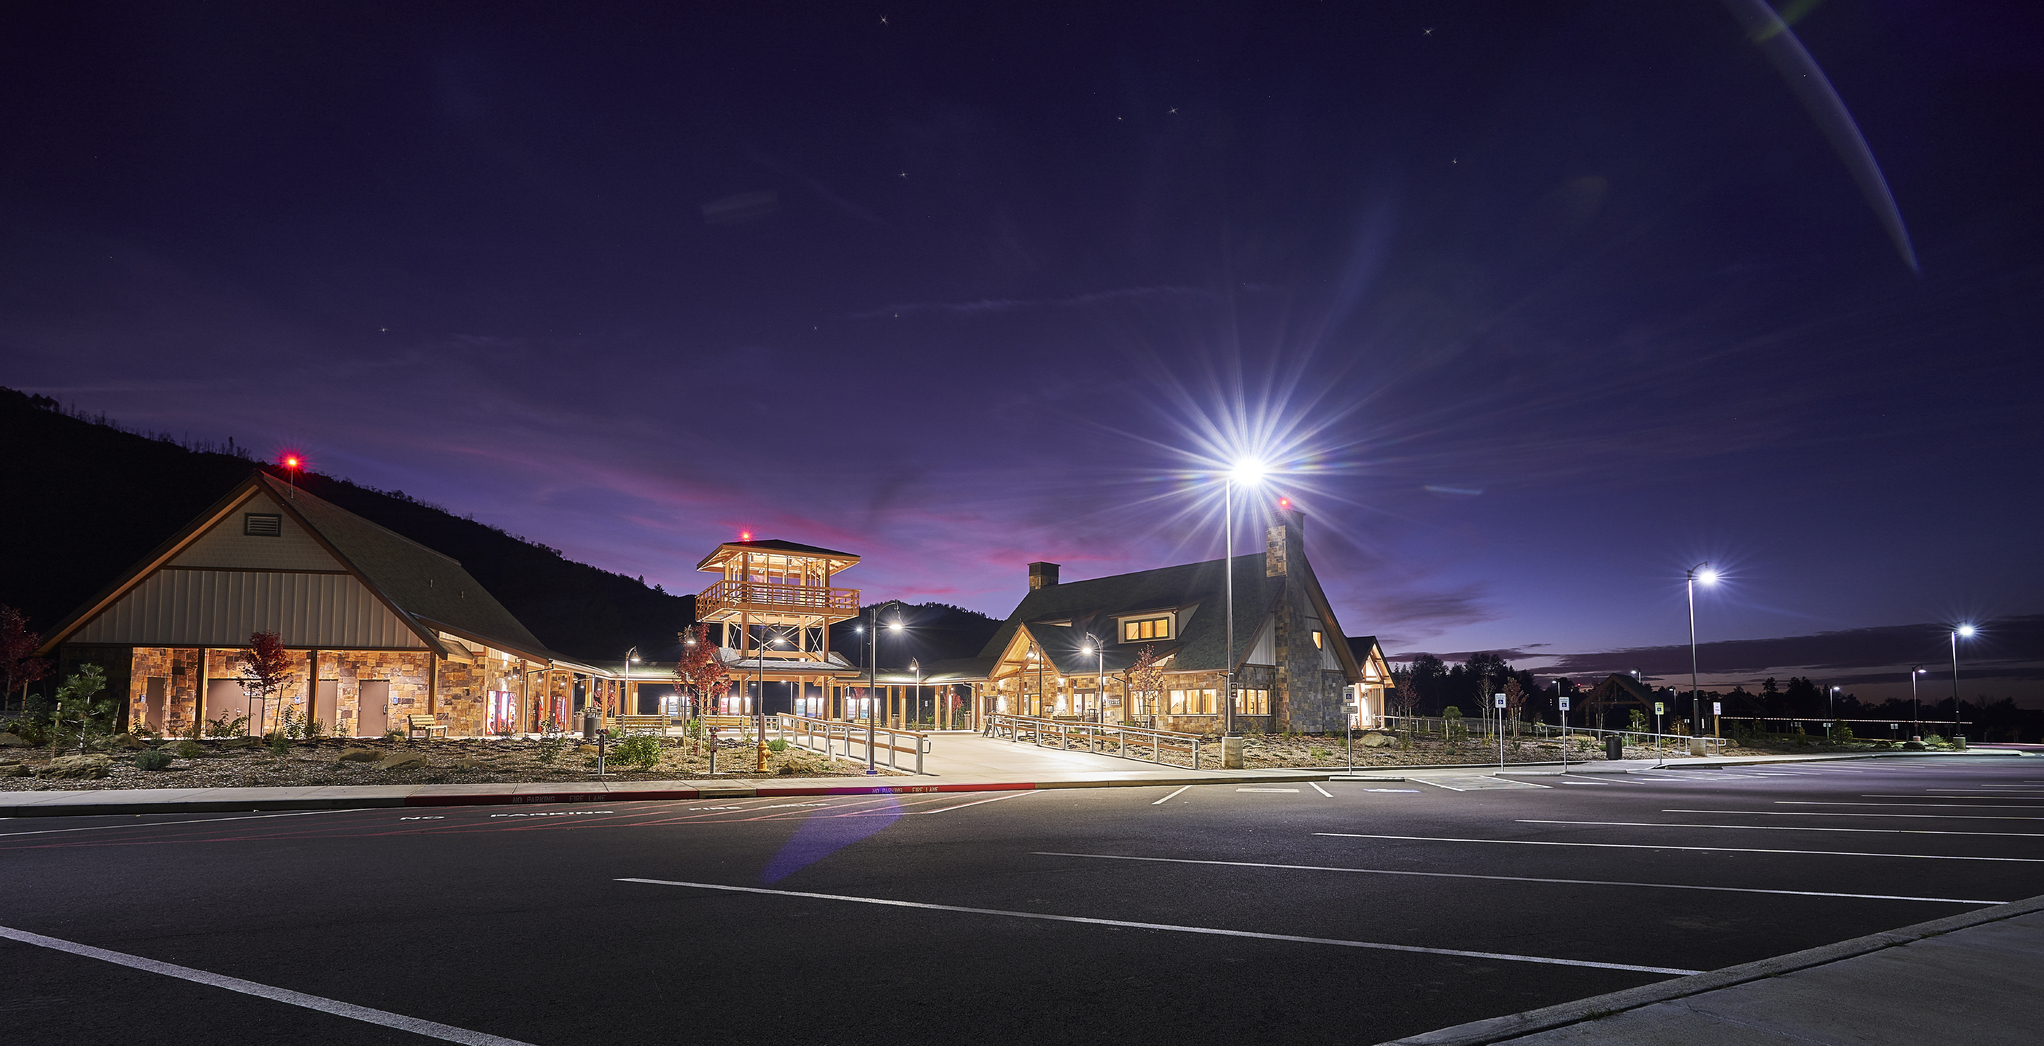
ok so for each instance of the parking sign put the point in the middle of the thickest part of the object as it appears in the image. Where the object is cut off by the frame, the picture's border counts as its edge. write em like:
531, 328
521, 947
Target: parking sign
1564, 702
1498, 701
1717, 708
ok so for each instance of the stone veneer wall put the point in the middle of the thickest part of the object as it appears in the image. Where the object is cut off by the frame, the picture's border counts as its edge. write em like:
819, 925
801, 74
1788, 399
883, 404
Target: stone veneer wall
180, 669
404, 670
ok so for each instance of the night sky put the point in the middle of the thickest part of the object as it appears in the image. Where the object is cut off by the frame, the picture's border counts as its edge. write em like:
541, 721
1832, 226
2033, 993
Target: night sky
1534, 306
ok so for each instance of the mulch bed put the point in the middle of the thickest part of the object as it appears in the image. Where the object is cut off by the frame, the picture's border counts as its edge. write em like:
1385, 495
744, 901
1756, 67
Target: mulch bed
455, 761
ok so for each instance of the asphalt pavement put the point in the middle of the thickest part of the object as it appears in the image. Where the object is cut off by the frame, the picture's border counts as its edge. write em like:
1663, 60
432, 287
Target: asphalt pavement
1245, 911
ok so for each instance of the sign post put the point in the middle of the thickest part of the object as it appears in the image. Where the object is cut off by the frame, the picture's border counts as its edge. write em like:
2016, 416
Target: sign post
1564, 729
1497, 704
1660, 754
1717, 710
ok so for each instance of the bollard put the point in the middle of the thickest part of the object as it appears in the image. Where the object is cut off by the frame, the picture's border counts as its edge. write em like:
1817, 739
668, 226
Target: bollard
1231, 753
602, 749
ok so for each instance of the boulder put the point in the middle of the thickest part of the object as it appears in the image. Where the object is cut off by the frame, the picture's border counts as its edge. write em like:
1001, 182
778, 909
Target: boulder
76, 768
129, 742
402, 761
238, 742
16, 770
1376, 739
360, 755
469, 763
585, 749
11, 741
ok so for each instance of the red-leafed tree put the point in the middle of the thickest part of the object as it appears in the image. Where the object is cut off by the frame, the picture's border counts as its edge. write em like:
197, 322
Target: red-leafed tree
1515, 699
264, 669
700, 670
1144, 684
18, 664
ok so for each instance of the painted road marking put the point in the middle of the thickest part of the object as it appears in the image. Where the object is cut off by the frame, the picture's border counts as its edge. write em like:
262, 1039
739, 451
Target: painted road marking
1522, 878
975, 802
1823, 813
384, 1018
1170, 797
1944, 806
1698, 849
1169, 927
1474, 783
1322, 791
160, 824
1290, 791
1785, 828
1921, 795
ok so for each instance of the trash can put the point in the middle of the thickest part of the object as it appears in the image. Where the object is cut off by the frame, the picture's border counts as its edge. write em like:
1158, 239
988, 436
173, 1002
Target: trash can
1614, 746
589, 726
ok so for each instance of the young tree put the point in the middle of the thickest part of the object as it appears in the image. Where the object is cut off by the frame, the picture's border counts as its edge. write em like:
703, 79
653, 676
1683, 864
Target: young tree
1145, 682
700, 670
264, 669
18, 664
1515, 700
81, 712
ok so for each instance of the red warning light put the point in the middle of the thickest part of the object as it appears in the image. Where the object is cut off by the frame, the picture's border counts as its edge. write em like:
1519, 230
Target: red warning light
745, 535
1284, 502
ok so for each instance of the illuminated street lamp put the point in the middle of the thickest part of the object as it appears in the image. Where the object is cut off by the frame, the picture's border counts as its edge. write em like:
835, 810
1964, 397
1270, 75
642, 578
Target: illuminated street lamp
1966, 631
1700, 572
1248, 472
872, 675
1099, 652
631, 658
1915, 705
1833, 713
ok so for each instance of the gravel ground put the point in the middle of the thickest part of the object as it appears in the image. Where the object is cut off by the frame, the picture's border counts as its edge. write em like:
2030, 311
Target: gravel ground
456, 761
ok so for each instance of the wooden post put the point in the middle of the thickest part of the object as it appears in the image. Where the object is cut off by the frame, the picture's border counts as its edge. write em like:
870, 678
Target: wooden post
199, 698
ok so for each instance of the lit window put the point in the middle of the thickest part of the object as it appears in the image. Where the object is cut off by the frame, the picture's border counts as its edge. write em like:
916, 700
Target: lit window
1193, 702
1316, 639
1146, 628
1252, 702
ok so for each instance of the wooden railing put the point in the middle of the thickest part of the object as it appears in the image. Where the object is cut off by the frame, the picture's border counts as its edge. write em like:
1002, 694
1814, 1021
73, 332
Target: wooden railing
777, 596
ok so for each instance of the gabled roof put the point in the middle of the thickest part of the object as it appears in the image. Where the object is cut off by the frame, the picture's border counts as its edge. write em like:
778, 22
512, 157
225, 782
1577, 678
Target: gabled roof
717, 557
1090, 607
427, 590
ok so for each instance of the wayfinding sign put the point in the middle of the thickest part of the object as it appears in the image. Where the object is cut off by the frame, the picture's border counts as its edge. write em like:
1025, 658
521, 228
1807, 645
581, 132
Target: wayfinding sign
1498, 701
1564, 702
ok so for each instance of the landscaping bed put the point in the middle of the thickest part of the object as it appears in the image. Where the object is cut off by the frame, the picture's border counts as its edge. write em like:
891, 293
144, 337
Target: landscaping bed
248, 762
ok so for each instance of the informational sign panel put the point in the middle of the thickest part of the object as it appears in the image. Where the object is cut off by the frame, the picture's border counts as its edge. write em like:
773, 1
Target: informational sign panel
1564, 702
1657, 708
1717, 708
1498, 701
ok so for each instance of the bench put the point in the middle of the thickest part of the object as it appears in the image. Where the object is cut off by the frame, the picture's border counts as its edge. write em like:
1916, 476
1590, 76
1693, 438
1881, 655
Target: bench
727, 722
642, 724
417, 722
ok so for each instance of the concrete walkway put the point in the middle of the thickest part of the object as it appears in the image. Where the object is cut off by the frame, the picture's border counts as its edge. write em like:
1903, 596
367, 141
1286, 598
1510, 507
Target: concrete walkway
1967, 979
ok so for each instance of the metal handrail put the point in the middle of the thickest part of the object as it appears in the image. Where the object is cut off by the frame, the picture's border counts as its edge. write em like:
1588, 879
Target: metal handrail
823, 736
1549, 731
1039, 728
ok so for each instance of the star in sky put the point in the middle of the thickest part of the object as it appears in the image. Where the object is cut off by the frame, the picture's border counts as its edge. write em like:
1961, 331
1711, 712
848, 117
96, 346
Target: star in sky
883, 21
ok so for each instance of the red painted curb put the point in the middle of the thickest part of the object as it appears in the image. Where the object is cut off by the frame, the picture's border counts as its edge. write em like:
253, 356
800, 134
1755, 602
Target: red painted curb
524, 798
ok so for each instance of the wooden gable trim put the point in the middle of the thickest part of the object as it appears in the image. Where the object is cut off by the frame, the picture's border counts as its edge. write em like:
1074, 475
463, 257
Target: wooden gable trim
1349, 666
164, 553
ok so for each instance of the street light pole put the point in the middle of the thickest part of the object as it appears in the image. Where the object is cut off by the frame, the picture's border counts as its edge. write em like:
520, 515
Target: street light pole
1915, 703
1228, 576
1833, 715
1962, 630
1702, 572
872, 679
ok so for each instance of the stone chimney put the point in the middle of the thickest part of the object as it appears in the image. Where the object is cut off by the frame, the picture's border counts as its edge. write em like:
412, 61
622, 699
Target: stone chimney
1285, 541
1042, 575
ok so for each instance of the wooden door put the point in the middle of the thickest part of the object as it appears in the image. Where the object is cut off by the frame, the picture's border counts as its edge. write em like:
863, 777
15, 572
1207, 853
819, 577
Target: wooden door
373, 720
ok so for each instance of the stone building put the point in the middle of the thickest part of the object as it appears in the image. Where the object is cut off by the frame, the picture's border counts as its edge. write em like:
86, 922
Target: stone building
379, 626
1069, 649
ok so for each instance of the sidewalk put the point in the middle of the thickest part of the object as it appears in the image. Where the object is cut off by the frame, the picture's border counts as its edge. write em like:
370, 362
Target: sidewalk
1966, 979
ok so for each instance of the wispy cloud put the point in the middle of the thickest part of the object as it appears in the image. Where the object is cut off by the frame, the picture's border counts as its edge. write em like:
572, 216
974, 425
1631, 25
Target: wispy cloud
988, 306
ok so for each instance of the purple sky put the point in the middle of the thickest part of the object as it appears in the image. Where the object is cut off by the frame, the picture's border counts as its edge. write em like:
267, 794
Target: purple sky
1538, 304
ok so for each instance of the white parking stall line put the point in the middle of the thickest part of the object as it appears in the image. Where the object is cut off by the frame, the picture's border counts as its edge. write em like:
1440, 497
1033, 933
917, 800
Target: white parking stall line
1519, 878
1696, 849
1594, 784
1288, 791
164, 824
1922, 795
1170, 797
1887, 806
1828, 813
367, 1015
975, 802
1170, 927
1785, 828
1322, 791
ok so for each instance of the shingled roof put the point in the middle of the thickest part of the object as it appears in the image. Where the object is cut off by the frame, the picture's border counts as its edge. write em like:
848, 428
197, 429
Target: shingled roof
1060, 616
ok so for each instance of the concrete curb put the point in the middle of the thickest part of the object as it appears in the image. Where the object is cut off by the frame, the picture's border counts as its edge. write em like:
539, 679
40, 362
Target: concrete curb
680, 791
1502, 1029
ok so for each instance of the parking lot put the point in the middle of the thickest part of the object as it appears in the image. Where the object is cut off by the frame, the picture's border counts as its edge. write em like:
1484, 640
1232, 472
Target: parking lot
1345, 911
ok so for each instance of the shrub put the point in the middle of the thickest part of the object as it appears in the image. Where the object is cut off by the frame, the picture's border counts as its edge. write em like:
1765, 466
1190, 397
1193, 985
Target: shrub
393, 734
551, 740
188, 749
640, 752
279, 743
1319, 753
777, 745
225, 727
154, 759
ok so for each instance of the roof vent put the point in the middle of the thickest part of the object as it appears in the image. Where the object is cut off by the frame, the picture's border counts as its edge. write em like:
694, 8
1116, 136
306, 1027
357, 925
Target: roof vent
262, 525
